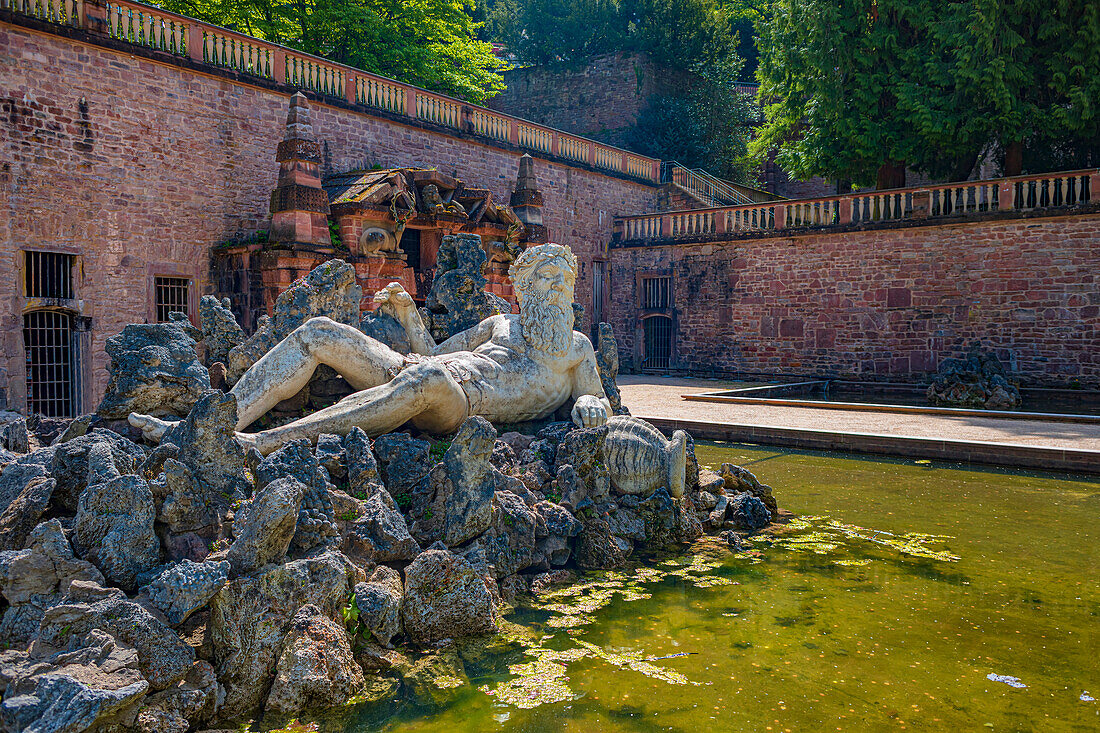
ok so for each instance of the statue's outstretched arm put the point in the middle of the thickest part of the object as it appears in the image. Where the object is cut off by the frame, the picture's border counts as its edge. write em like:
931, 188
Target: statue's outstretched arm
394, 300
469, 339
591, 408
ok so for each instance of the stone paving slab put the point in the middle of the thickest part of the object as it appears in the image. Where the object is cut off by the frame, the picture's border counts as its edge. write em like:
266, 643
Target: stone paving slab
660, 397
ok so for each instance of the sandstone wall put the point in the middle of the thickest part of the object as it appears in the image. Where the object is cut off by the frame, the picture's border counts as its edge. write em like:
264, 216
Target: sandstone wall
139, 167
885, 304
600, 98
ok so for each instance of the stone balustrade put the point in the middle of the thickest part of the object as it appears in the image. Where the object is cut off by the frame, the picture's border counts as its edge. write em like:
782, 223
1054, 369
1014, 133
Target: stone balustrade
202, 43
1019, 193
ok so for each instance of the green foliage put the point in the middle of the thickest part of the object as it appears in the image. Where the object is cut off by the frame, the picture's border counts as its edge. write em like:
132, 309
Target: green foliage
853, 85
429, 43
708, 126
350, 614
438, 449
677, 33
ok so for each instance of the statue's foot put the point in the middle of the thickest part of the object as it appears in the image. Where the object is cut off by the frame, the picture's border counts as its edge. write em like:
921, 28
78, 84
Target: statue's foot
152, 428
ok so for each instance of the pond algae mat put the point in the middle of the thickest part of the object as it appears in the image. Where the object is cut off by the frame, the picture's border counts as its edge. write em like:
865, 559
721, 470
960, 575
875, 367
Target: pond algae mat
905, 595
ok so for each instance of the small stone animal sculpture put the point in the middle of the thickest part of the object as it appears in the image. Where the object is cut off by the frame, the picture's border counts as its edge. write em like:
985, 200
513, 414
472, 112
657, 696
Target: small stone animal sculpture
641, 460
376, 241
433, 202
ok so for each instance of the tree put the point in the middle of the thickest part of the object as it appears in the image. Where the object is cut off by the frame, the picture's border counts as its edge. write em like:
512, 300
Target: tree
857, 89
429, 43
707, 126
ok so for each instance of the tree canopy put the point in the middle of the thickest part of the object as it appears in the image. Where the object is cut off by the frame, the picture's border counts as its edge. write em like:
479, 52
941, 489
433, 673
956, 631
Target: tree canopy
678, 33
856, 87
429, 43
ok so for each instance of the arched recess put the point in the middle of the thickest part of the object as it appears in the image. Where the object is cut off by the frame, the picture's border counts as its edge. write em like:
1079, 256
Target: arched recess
656, 343
51, 345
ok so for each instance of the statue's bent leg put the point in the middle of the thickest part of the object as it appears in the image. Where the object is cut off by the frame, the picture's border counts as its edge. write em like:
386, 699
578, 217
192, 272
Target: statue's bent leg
424, 393
282, 372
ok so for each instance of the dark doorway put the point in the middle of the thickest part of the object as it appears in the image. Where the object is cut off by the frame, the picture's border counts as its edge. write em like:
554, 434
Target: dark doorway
48, 341
410, 245
658, 343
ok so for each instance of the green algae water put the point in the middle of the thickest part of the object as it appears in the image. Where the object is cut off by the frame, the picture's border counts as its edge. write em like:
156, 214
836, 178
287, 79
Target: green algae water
861, 619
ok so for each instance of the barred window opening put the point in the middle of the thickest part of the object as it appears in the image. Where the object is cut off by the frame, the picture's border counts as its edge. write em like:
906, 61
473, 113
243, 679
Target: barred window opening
49, 275
171, 297
656, 293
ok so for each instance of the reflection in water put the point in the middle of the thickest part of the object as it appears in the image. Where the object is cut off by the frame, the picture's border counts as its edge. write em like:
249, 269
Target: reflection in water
836, 631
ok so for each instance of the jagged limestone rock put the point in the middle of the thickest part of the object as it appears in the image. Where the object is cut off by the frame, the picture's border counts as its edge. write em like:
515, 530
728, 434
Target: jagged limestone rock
190, 702
163, 657
553, 543
379, 532
379, 603
220, 331
469, 482
404, 464
33, 579
331, 454
25, 492
596, 547
607, 361
114, 529
330, 290
978, 380
208, 448
153, 370
316, 521
583, 449
457, 299
362, 466
445, 598
186, 587
316, 669
385, 328
69, 463
737, 479
84, 689
249, 617
748, 512
508, 545
265, 527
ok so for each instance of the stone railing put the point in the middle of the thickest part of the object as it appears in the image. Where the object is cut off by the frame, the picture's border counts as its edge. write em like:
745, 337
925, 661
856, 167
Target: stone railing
186, 38
1020, 193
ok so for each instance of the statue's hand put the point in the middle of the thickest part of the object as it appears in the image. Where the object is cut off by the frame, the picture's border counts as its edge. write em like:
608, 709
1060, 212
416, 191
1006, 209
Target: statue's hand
395, 301
589, 412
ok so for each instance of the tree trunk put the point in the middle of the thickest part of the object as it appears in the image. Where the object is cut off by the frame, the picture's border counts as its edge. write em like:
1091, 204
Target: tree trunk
891, 174
1014, 158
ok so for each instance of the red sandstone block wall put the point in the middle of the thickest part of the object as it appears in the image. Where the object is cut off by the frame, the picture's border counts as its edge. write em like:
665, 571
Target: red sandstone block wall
139, 168
887, 304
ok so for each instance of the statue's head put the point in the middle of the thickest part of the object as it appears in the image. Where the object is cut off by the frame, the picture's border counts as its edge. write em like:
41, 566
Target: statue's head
544, 276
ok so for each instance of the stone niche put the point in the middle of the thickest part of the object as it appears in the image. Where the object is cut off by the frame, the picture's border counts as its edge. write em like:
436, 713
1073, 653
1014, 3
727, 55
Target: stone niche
393, 221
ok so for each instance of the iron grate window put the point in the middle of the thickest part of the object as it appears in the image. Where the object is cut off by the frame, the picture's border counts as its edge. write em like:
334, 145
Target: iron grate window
48, 341
656, 293
49, 275
171, 296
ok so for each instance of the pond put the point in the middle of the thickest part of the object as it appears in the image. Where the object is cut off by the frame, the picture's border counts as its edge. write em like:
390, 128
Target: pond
828, 628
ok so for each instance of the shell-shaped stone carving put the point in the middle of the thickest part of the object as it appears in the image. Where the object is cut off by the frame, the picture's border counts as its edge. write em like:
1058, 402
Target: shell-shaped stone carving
641, 460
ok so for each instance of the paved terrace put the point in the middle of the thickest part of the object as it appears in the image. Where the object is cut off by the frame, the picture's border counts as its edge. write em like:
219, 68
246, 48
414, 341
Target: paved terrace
1029, 443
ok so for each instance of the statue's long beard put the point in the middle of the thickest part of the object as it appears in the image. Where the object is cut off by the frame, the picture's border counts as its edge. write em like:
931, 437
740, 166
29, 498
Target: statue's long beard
547, 324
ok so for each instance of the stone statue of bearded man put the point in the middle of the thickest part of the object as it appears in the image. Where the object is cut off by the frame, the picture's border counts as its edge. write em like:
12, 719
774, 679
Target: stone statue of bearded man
508, 368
